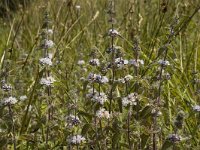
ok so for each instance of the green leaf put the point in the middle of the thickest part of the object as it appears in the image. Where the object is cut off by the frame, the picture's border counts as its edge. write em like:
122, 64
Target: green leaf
145, 112
85, 128
167, 144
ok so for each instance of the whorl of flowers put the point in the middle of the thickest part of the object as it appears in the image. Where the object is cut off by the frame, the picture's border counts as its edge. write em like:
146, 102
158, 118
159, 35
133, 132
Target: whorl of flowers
6, 87
94, 62
174, 138
113, 32
81, 62
23, 98
48, 81
97, 78
102, 113
10, 100
164, 62
136, 63
77, 139
129, 100
46, 61
196, 108
72, 120
97, 97
120, 62
48, 43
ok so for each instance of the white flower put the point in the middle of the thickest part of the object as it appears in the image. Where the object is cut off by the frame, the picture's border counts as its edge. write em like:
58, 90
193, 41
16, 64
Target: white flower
23, 98
46, 61
10, 100
50, 55
78, 6
174, 137
136, 63
49, 43
97, 97
196, 108
73, 120
129, 100
128, 78
50, 31
120, 80
164, 63
102, 113
120, 63
77, 139
100, 98
94, 62
47, 81
113, 32
6, 87
81, 62
97, 78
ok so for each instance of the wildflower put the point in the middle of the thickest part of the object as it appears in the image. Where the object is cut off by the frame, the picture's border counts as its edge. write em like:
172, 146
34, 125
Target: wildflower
137, 62
78, 6
6, 87
23, 98
73, 120
129, 100
102, 113
77, 139
81, 62
120, 63
128, 78
46, 61
100, 98
121, 80
48, 43
50, 31
113, 32
47, 81
196, 108
94, 62
10, 100
97, 78
174, 138
164, 62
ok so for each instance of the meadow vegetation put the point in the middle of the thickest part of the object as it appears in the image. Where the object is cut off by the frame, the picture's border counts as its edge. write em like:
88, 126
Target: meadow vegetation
100, 74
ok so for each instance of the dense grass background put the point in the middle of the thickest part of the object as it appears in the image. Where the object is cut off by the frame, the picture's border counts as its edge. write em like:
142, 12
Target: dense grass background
144, 27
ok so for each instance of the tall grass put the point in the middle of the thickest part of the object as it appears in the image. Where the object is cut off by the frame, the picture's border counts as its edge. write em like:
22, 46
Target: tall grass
126, 75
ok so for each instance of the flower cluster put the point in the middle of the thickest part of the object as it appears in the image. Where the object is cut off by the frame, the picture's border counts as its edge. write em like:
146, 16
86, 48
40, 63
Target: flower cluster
174, 138
94, 62
97, 78
126, 79
77, 139
113, 32
48, 43
164, 62
120, 62
73, 120
81, 62
23, 98
196, 108
46, 61
129, 100
48, 81
6, 87
10, 100
102, 113
97, 97
136, 63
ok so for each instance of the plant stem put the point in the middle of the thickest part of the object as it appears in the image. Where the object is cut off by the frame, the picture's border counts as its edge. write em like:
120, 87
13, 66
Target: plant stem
13, 126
